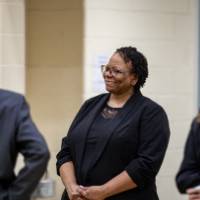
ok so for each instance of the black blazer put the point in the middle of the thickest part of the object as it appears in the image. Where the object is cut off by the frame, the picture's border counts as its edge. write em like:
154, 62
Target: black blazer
188, 175
18, 134
136, 143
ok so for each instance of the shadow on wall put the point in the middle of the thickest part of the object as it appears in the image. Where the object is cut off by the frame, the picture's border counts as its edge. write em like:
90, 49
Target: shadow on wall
54, 60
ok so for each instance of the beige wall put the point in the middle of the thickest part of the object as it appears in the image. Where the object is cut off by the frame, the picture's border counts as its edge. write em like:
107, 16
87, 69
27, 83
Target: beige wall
166, 32
54, 68
12, 40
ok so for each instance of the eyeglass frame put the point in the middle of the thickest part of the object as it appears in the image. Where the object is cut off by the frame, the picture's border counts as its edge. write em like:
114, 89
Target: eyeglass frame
114, 72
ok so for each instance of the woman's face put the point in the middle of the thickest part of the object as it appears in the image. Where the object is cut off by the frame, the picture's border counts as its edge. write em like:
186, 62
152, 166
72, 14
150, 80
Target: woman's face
118, 76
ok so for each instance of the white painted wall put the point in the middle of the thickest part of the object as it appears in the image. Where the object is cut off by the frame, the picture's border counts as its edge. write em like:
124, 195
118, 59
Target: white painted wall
166, 32
12, 45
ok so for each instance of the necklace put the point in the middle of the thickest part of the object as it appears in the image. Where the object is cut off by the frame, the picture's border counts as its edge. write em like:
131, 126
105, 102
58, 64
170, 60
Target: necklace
109, 112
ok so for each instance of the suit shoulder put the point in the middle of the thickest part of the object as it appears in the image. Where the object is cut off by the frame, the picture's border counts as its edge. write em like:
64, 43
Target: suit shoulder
151, 104
10, 97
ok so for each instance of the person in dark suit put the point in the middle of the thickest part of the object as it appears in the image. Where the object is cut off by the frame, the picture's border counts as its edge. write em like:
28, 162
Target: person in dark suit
18, 134
188, 176
117, 141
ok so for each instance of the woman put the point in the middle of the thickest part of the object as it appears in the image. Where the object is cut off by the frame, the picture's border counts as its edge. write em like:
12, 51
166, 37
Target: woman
117, 142
188, 176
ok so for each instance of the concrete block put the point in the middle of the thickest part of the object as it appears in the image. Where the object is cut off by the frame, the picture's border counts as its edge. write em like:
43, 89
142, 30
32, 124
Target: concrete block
13, 78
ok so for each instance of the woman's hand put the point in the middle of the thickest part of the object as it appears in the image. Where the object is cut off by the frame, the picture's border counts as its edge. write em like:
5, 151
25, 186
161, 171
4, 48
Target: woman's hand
67, 175
93, 192
73, 192
193, 193
116, 185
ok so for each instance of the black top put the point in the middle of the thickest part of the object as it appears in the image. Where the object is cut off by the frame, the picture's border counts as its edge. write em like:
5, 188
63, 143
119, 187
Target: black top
188, 175
136, 142
97, 131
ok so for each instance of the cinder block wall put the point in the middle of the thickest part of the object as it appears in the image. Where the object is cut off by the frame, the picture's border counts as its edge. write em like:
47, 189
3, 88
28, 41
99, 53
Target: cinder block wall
166, 32
12, 41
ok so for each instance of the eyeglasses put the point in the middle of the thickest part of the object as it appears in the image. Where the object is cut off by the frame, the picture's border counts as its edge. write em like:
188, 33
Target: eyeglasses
113, 70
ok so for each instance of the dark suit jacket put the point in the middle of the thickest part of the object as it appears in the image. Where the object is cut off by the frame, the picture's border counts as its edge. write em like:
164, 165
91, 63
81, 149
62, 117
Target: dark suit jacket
18, 134
188, 175
136, 143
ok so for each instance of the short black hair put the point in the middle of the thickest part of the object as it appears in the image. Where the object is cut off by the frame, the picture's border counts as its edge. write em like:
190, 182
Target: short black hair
138, 61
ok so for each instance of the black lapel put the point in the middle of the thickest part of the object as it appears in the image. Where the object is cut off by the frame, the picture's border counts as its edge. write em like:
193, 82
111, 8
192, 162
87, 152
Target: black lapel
128, 107
88, 120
